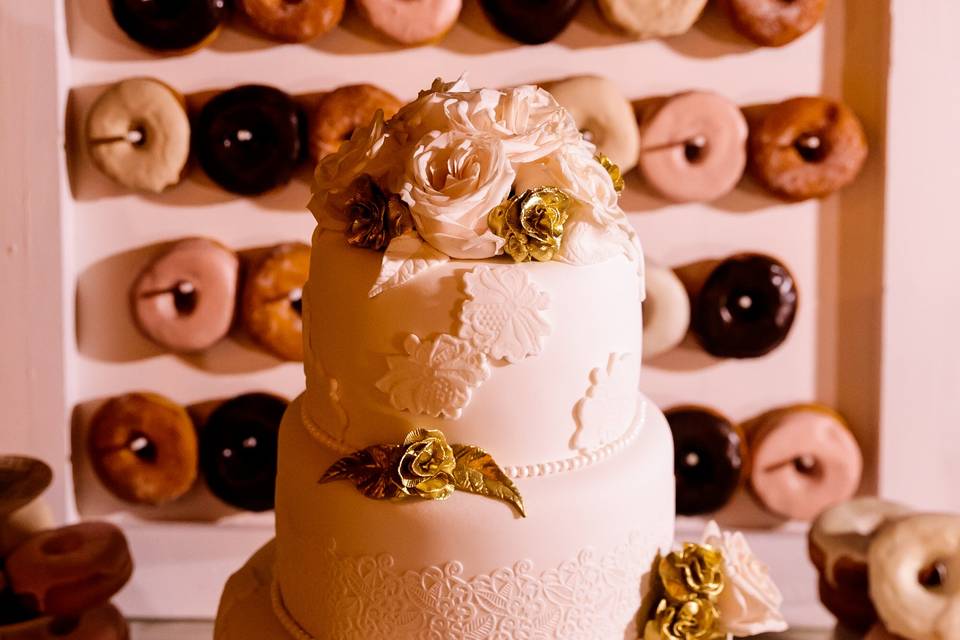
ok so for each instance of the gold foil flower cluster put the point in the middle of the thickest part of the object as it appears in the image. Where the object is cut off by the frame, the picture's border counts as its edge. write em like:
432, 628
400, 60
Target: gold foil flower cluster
532, 223
374, 217
690, 582
614, 170
426, 466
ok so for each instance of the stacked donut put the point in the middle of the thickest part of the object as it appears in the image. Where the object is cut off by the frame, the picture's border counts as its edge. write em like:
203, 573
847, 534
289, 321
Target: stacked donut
795, 461
888, 572
147, 450
55, 582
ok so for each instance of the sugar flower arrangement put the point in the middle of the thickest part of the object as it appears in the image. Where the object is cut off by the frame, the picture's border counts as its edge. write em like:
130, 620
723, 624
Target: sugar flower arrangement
712, 590
471, 175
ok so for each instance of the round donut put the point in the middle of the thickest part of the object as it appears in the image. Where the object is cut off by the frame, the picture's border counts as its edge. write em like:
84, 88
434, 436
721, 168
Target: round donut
694, 147
170, 26
344, 109
293, 21
249, 139
138, 134
66, 571
745, 308
774, 23
603, 115
915, 576
411, 22
804, 459
21, 524
531, 21
666, 311
143, 448
184, 300
22, 480
652, 18
807, 148
238, 450
709, 459
272, 300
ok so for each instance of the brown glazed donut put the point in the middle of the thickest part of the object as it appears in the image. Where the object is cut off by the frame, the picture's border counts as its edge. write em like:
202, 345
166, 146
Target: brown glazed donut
342, 110
807, 147
774, 23
294, 20
144, 448
272, 304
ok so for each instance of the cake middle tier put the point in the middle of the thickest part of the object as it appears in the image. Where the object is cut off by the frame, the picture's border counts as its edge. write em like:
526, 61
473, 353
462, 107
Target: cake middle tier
538, 363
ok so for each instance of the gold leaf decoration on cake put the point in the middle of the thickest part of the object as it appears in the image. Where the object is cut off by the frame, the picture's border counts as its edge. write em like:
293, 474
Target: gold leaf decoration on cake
425, 467
694, 572
374, 217
614, 170
696, 619
532, 223
477, 472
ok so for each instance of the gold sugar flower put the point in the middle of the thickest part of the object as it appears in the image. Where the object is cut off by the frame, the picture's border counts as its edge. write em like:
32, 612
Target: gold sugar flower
695, 619
693, 573
425, 467
532, 223
374, 217
614, 170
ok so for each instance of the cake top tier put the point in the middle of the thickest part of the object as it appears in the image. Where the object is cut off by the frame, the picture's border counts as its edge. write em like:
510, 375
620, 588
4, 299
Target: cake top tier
473, 174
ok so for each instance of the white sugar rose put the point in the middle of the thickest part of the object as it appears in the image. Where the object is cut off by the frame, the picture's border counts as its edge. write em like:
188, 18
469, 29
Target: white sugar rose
574, 169
750, 601
428, 113
452, 183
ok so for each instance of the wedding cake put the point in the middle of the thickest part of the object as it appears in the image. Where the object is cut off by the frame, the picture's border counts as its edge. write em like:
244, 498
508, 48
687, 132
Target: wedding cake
472, 457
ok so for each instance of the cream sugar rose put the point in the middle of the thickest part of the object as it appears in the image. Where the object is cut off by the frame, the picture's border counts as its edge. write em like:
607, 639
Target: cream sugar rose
472, 457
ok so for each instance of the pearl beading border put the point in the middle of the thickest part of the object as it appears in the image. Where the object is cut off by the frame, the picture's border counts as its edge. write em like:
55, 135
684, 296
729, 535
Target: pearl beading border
280, 611
537, 470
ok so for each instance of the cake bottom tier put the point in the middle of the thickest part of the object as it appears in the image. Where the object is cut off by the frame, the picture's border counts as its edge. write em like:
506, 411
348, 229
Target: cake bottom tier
350, 568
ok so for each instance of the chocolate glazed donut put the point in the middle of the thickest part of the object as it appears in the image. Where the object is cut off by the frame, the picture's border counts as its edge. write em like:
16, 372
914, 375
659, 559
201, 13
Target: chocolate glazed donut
249, 140
709, 455
531, 21
170, 25
746, 307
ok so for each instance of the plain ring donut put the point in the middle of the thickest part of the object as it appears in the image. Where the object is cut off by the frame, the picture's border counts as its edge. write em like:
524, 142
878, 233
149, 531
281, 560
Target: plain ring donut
172, 27
138, 134
652, 18
299, 21
807, 147
604, 116
694, 147
774, 23
531, 21
411, 22
666, 311
272, 307
915, 576
341, 111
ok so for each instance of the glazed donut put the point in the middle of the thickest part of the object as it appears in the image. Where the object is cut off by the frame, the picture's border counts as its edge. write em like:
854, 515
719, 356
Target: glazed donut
652, 18
709, 459
249, 139
693, 146
138, 134
411, 22
66, 571
915, 576
143, 448
272, 300
603, 114
774, 23
745, 308
184, 300
807, 148
804, 459
531, 21
170, 26
666, 311
238, 450
297, 21
342, 110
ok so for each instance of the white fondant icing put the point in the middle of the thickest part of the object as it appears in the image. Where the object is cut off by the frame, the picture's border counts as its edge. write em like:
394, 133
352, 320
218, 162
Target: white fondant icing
609, 406
503, 317
436, 377
407, 257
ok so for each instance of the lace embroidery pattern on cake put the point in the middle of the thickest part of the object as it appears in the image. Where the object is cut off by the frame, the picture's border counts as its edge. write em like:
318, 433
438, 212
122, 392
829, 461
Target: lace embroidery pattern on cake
579, 461
590, 597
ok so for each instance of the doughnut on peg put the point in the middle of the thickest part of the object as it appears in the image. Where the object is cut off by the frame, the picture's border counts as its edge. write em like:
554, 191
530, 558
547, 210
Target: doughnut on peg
774, 23
293, 20
666, 311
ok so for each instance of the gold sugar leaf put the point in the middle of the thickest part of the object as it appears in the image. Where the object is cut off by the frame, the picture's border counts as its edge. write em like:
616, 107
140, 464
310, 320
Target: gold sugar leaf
371, 470
478, 473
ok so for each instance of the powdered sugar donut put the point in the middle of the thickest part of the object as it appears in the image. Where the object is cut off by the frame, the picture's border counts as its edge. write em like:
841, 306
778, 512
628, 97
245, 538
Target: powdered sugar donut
666, 311
298, 21
411, 22
915, 576
774, 23
804, 459
693, 146
653, 18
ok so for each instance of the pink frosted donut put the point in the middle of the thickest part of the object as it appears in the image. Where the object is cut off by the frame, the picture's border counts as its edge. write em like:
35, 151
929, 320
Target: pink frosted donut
804, 459
694, 147
411, 21
65, 571
184, 300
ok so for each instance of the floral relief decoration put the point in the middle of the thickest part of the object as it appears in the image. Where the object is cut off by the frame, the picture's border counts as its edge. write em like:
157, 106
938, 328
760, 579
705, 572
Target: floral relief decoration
609, 406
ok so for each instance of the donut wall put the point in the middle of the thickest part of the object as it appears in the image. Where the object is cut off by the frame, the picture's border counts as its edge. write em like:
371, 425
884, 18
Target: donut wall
820, 260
